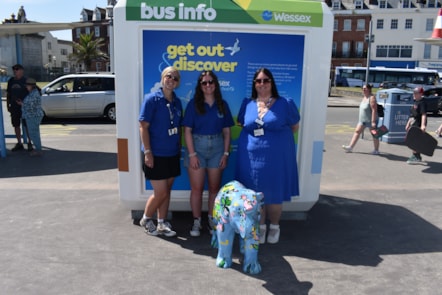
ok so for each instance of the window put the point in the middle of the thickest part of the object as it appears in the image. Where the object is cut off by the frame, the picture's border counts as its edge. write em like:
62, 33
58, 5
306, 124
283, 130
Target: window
88, 30
49, 46
359, 4
431, 3
345, 49
383, 4
381, 51
63, 51
439, 55
393, 50
406, 51
427, 51
360, 25
408, 24
336, 5
347, 25
394, 23
97, 31
380, 24
359, 49
335, 25
334, 48
429, 24
77, 32
406, 3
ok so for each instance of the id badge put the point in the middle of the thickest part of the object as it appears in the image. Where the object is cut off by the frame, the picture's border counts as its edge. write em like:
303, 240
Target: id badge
173, 131
259, 122
258, 132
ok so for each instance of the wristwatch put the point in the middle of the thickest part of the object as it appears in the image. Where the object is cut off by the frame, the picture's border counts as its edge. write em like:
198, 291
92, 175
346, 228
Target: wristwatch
226, 153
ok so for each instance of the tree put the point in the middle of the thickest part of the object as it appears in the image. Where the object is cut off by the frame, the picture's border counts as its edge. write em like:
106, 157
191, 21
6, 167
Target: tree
88, 50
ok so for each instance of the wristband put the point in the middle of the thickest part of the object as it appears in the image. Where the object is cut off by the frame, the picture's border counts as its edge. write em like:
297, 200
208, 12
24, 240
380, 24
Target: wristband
147, 152
192, 155
226, 154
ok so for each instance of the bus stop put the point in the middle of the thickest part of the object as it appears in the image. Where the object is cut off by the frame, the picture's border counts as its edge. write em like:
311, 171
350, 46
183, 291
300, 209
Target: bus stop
233, 38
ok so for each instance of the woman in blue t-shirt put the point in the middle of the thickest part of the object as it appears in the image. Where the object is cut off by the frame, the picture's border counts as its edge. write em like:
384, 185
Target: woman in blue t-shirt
160, 132
207, 123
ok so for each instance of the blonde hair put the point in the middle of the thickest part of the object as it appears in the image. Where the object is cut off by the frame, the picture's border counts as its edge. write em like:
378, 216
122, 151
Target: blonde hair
170, 70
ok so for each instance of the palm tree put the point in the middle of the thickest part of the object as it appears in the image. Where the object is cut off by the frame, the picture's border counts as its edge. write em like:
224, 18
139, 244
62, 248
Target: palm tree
87, 50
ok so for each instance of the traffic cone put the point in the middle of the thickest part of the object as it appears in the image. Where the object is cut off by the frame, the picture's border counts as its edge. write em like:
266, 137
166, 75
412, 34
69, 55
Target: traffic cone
437, 31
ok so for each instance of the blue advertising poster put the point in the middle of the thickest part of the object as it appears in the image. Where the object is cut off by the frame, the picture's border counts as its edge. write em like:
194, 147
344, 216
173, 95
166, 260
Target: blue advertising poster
234, 57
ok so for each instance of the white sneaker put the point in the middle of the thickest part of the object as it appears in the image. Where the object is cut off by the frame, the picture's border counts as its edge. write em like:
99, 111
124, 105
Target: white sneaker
347, 148
165, 228
196, 228
274, 231
262, 233
375, 152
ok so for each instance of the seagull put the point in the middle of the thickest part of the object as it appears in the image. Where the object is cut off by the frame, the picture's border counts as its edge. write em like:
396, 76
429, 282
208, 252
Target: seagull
235, 48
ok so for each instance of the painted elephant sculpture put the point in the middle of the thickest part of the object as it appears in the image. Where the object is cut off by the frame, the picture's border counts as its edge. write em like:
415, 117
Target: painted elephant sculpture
237, 209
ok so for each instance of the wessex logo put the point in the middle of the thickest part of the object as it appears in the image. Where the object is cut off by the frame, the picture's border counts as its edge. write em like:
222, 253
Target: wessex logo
201, 12
285, 17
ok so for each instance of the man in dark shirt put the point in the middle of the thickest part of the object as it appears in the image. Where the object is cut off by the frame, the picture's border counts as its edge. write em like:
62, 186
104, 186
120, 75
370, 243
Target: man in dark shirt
16, 90
418, 118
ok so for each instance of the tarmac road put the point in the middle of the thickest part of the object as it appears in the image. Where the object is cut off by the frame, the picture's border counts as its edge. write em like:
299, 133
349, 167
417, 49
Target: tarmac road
376, 228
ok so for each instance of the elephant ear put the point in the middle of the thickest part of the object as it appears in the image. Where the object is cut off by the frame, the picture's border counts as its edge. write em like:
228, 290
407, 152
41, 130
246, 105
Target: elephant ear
249, 213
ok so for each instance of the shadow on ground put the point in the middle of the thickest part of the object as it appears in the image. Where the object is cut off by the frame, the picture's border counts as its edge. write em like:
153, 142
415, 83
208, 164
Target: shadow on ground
337, 230
55, 162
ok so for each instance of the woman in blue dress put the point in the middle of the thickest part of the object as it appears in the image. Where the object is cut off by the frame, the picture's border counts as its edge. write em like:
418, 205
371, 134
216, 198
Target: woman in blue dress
266, 158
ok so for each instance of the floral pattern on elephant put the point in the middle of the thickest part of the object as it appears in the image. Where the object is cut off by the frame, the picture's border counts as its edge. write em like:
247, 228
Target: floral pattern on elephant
237, 210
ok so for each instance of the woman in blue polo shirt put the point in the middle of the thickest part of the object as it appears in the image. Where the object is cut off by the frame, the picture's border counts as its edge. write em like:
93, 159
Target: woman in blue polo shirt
160, 131
207, 123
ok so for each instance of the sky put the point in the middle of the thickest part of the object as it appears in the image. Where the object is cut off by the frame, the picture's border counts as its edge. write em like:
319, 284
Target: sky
50, 11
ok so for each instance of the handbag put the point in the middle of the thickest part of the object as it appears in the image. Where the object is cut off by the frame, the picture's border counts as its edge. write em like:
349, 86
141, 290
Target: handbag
379, 131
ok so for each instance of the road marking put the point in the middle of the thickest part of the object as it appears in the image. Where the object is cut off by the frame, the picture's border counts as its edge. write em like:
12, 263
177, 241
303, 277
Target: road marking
338, 128
56, 130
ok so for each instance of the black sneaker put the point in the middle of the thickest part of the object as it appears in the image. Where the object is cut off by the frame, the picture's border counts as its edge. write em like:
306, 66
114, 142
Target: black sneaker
17, 147
30, 147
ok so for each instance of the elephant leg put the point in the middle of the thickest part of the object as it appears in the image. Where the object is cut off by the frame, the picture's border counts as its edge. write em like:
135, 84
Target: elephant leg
225, 243
251, 264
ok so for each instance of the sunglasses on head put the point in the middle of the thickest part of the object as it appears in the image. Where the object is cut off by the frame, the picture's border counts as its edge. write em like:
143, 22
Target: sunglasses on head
204, 83
264, 81
169, 76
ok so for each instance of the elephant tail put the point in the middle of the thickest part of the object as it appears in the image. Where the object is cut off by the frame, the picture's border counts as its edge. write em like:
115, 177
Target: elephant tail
214, 241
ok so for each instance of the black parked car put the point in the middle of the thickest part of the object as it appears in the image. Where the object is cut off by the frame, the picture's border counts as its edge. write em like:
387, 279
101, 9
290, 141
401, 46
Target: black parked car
433, 100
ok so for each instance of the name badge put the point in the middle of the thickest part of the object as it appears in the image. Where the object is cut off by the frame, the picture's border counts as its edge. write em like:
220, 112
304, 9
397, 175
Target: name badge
258, 132
259, 122
173, 131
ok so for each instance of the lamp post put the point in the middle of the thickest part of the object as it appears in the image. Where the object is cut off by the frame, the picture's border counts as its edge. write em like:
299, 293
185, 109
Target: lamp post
110, 14
369, 39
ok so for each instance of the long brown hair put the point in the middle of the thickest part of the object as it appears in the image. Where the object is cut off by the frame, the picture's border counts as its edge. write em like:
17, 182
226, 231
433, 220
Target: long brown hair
199, 94
266, 72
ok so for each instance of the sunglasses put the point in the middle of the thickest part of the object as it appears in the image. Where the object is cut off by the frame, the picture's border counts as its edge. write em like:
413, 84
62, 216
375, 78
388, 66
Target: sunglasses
262, 81
169, 76
16, 69
204, 83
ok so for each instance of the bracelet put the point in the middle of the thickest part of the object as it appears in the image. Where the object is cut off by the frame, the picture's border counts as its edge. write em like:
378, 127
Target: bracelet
147, 152
192, 155
226, 154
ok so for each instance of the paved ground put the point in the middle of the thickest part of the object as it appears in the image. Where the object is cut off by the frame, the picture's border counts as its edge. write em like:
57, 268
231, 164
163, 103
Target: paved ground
375, 230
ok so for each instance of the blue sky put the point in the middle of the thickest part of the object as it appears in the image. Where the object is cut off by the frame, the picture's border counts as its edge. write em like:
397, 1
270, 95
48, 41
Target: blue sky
50, 11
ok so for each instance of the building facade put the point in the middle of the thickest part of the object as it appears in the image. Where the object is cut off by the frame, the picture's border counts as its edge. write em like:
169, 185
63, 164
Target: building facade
382, 33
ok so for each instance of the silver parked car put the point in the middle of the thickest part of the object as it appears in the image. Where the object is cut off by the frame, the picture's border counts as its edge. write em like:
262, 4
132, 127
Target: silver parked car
80, 95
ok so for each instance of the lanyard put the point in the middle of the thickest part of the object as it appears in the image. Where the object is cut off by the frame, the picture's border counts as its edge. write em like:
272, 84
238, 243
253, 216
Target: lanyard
171, 114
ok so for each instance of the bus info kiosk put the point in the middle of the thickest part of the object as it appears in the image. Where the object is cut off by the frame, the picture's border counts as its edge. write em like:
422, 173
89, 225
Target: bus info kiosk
233, 38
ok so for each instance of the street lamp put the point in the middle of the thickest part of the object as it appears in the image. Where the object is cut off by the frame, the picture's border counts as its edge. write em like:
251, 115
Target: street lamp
110, 14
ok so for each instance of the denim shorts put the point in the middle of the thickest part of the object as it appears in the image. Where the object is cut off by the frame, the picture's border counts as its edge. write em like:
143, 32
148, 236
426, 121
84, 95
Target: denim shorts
209, 150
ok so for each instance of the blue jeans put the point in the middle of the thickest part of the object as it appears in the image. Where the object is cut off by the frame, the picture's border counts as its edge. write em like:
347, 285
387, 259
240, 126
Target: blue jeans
209, 150
33, 124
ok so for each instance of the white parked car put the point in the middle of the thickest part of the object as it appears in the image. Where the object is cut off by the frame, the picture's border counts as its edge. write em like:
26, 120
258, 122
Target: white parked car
80, 95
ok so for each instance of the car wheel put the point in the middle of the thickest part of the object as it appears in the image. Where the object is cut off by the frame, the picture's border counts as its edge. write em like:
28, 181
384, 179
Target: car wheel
110, 113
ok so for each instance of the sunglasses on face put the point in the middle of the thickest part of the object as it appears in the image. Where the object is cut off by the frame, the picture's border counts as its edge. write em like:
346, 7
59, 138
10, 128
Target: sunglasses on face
204, 83
169, 76
16, 69
263, 81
